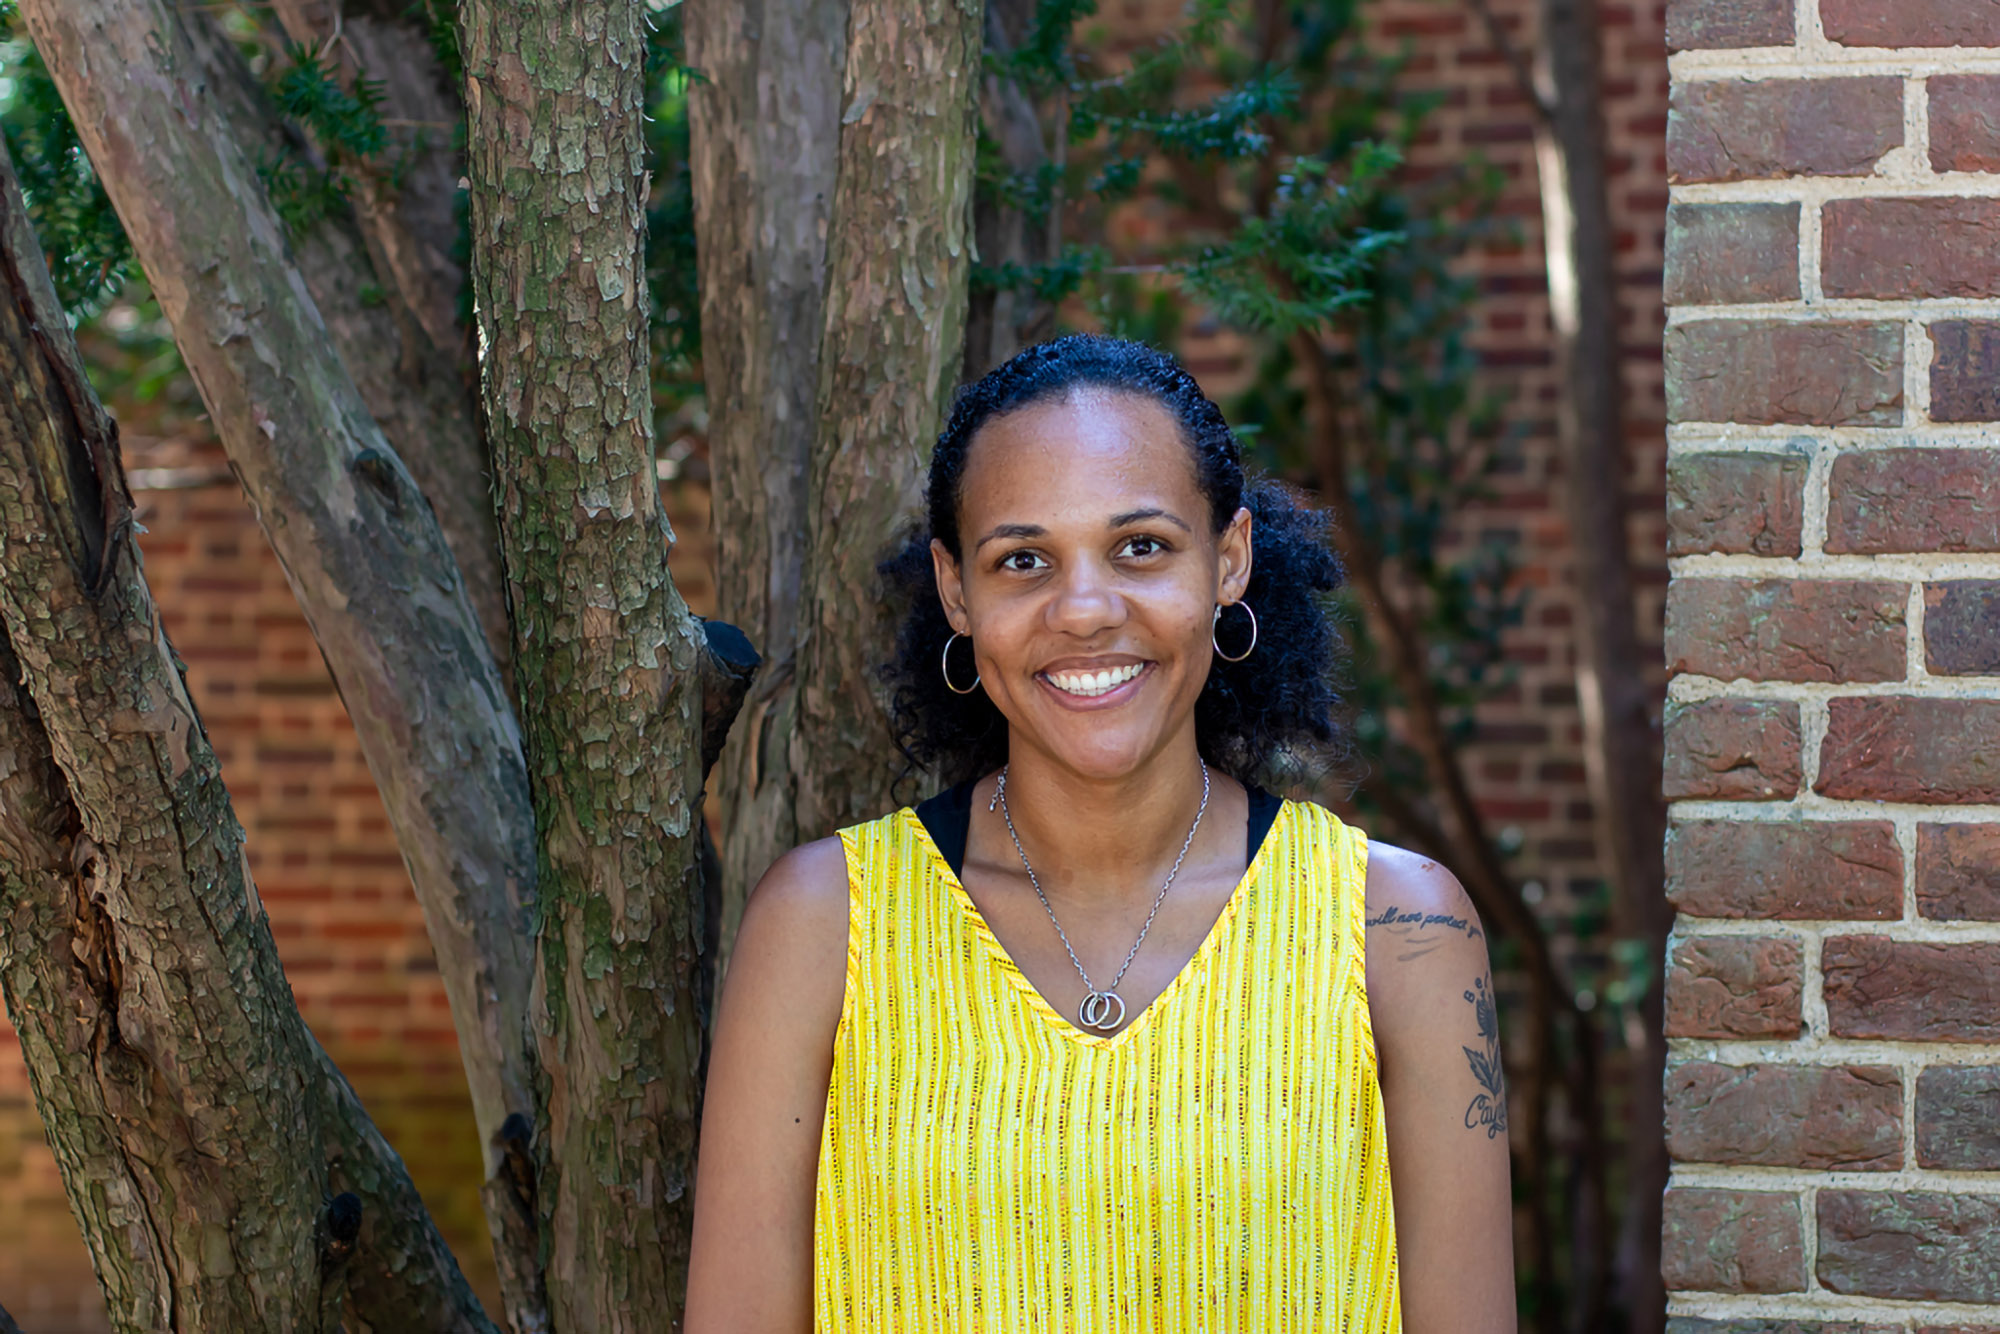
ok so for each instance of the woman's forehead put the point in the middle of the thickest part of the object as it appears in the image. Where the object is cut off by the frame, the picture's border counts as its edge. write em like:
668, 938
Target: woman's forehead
1100, 447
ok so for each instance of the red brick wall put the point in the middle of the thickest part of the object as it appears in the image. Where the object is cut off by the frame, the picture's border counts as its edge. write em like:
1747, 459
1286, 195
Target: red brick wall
1833, 623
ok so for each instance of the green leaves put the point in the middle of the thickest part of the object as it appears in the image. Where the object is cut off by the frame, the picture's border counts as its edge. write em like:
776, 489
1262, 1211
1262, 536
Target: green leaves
344, 124
88, 255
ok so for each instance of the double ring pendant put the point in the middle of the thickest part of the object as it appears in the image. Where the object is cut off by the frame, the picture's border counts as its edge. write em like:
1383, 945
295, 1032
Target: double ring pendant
1102, 1011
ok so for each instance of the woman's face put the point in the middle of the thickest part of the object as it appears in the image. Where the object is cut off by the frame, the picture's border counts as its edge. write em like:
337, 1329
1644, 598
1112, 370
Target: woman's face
1089, 577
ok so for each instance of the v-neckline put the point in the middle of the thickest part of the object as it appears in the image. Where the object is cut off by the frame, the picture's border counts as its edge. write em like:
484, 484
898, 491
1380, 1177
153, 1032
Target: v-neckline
1197, 962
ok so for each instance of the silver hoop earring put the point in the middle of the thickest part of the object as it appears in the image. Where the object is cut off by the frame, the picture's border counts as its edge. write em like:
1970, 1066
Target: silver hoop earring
944, 667
1218, 620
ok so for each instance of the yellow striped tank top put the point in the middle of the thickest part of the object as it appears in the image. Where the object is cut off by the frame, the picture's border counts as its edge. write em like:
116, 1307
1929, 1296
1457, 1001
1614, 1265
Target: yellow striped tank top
1219, 1165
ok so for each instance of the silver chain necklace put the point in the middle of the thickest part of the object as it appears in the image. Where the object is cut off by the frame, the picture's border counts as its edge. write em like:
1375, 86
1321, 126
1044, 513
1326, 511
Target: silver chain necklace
1103, 1009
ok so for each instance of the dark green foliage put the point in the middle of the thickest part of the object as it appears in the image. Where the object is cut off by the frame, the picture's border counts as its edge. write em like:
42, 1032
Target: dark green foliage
88, 255
346, 123
439, 19
670, 257
343, 125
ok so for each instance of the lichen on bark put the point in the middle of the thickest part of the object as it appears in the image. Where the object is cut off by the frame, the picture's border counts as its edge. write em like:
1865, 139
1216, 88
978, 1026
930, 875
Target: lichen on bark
606, 655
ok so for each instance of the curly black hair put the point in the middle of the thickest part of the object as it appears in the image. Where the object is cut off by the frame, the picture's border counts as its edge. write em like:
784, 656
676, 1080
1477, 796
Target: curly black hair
1274, 714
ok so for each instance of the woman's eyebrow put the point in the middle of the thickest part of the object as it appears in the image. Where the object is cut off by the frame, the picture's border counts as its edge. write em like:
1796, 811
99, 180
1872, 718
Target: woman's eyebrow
1140, 516
1011, 530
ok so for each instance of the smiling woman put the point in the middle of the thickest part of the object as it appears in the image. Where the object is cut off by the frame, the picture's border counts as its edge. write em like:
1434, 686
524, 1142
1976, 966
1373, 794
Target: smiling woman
1105, 1037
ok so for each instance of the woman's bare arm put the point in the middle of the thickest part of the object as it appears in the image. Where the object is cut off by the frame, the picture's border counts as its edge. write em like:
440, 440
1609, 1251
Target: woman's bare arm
766, 1099
1430, 996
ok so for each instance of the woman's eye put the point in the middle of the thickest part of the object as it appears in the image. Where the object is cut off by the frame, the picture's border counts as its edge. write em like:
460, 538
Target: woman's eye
1142, 546
1021, 560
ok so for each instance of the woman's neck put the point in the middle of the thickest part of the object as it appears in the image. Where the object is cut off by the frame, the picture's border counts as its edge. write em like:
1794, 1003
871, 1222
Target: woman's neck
1093, 836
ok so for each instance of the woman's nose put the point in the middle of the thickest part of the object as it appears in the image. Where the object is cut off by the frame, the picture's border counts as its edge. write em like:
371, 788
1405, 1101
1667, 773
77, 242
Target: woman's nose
1086, 601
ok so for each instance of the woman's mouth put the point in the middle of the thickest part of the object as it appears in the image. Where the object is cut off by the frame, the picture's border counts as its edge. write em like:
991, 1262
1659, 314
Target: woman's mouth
1089, 685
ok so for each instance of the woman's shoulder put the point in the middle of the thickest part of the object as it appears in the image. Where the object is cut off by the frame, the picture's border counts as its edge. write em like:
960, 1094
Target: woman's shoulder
1406, 883
793, 938
807, 887
1424, 940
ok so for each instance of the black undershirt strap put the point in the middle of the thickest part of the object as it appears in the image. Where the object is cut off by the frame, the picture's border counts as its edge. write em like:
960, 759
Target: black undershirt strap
947, 818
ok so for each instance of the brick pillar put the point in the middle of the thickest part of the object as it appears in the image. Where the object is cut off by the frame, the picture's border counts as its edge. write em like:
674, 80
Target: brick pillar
1833, 626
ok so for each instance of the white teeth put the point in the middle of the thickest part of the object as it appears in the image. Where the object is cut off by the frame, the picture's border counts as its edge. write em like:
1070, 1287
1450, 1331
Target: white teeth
1087, 684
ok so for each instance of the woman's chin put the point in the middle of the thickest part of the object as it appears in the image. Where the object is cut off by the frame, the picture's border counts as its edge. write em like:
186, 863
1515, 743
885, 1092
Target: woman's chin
1105, 759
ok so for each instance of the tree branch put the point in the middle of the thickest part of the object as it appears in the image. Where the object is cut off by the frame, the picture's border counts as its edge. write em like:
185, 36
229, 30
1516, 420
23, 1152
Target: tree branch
360, 546
899, 259
163, 1038
764, 133
1524, 75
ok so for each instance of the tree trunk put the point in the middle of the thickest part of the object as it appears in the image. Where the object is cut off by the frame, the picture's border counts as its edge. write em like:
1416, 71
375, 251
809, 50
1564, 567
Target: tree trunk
384, 278
1000, 322
158, 1029
1613, 683
892, 154
765, 123
359, 544
899, 254
606, 655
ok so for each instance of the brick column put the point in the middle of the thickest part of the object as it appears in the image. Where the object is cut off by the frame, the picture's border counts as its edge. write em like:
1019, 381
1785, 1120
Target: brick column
1833, 626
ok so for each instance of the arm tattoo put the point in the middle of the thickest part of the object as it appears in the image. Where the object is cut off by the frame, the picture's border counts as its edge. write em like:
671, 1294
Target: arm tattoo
1489, 1108
1420, 932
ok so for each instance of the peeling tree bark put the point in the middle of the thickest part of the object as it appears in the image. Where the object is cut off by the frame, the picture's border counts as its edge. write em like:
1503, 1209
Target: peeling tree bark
606, 656
899, 254
138, 965
359, 544
765, 120
414, 376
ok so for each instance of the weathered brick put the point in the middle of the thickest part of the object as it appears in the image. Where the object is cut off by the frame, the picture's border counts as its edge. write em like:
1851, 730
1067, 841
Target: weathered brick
1916, 1245
1958, 872
1965, 371
1734, 987
1914, 500
1965, 122
1718, 254
1732, 749
1962, 627
1911, 22
1823, 373
1691, 1325
1797, 870
1895, 748
1910, 247
1733, 1241
1738, 503
1748, 129
1958, 1117
1911, 990
1787, 629
1835, 1118
1694, 25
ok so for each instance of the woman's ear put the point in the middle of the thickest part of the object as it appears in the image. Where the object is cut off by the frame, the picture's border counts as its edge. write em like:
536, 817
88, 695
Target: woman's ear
951, 589
1233, 556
